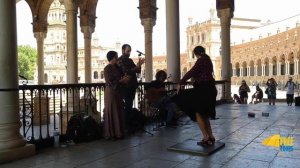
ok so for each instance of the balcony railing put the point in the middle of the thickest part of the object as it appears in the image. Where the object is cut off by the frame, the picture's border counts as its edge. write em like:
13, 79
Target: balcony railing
45, 108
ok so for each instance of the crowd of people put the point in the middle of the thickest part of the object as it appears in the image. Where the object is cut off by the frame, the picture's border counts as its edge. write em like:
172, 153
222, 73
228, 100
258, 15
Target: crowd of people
270, 91
121, 84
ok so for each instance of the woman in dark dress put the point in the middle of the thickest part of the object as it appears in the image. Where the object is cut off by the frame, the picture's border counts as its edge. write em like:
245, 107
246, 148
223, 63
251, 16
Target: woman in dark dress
199, 103
114, 127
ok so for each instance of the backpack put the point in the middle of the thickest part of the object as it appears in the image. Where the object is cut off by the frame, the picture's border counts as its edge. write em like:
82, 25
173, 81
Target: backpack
137, 120
82, 129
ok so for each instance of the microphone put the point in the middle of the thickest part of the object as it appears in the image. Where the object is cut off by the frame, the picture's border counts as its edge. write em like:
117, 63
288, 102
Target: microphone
140, 53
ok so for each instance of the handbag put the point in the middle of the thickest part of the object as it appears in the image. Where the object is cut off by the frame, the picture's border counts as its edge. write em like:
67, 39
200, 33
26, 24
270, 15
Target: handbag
267, 90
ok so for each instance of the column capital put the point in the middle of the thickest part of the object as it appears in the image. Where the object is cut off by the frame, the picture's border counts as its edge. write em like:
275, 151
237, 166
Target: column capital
148, 23
147, 9
87, 31
225, 14
88, 20
40, 35
39, 25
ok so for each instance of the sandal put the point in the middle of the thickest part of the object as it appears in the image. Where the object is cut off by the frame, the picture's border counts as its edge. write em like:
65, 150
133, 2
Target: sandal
212, 139
205, 142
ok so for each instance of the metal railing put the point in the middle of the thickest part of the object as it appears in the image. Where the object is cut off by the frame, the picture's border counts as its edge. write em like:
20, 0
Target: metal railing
45, 108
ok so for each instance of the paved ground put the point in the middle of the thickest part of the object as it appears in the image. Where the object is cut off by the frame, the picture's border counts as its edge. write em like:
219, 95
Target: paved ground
242, 135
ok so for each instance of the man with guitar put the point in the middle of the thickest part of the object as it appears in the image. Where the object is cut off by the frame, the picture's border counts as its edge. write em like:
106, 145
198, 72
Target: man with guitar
157, 96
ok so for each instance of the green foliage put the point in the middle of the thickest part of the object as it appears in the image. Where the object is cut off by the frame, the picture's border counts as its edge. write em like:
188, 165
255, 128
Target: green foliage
26, 61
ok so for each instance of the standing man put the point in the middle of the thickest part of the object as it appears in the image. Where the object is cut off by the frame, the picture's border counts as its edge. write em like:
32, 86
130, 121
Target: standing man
290, 85
128, 91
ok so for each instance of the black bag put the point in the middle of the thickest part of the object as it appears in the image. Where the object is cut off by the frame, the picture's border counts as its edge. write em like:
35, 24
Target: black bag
82, 129
137, 120
267, 91
297, 101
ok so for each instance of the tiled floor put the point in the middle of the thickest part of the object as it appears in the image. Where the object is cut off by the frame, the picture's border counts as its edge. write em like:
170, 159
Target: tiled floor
242, 136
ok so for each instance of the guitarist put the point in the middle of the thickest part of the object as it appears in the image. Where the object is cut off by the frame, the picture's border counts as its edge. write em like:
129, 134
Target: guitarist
156, 95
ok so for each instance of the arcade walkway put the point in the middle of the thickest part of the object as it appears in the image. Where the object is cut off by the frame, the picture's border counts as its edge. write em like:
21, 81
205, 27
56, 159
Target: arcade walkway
242, 135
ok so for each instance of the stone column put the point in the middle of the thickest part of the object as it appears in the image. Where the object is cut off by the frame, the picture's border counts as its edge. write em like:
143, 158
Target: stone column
12, 145
234, 72
225, 16
248, 71
287, 68
270, 69
263, 70
241, 72
87, 34
255, 70
72, 104
173, 39
40, 36
72, 57
296, 67
148, 24
278, 68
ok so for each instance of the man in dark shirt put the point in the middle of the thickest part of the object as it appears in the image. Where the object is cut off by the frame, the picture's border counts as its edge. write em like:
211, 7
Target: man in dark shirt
157, 97
129, 68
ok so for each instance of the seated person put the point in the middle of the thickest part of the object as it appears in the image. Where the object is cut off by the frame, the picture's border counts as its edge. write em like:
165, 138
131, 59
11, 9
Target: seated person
258, 95
157, 97
237, 99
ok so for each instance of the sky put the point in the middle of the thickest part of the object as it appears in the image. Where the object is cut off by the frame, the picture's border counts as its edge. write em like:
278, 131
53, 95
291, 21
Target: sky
118, 20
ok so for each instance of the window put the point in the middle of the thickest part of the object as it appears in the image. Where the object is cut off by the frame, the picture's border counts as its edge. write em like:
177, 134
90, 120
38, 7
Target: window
95, 75
102, 74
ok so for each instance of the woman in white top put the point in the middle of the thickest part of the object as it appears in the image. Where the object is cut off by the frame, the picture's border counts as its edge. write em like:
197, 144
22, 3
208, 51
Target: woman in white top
290, 85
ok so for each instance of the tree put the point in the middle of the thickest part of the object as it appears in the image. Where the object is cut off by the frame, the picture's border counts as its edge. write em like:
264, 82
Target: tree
26, 61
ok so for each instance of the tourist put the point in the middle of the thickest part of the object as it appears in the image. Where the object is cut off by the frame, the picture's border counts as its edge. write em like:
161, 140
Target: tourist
290, 85
257, 96
243, 92
271, 90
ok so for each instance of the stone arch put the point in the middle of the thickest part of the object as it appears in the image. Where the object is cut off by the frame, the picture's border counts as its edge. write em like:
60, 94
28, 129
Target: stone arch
251, 64
39, 10
88, 12
259, 67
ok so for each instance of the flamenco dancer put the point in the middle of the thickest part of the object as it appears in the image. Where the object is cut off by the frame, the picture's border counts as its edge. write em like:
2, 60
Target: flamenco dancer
200, 101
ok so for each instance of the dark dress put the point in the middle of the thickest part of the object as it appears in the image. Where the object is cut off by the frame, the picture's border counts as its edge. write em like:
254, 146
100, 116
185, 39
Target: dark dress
113, 107
202, 97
